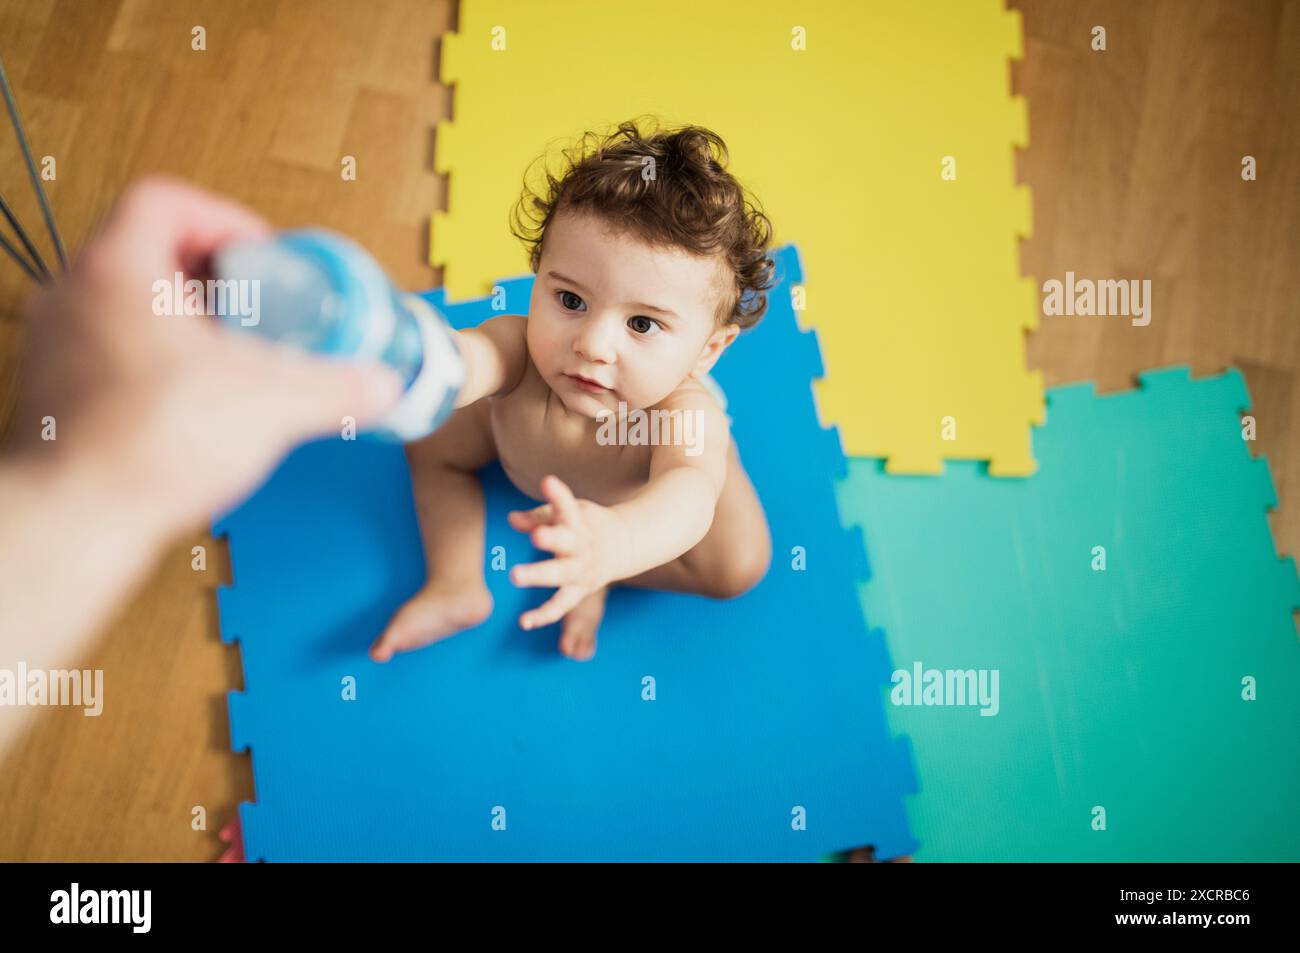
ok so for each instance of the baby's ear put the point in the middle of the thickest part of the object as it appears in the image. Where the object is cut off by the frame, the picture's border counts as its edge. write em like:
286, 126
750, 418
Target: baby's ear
718, 342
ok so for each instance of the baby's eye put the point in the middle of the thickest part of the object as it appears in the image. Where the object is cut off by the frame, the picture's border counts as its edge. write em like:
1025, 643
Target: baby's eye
643, 325
570, 301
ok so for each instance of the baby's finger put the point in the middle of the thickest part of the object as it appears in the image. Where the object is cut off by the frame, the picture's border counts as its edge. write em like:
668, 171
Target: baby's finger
560, 540
550, 573
561, 497
553, 609
526, 520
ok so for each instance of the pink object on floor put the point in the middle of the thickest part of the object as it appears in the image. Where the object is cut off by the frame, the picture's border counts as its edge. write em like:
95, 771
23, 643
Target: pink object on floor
233, 835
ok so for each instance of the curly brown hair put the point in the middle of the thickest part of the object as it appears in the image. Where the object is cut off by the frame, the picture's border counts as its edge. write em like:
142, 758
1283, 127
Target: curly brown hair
670, 188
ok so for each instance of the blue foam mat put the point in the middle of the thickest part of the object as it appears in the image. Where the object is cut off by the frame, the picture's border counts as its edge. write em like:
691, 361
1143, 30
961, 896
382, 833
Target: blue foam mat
766, 708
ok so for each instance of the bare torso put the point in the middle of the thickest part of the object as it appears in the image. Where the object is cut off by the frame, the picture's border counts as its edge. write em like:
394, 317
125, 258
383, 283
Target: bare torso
535, 434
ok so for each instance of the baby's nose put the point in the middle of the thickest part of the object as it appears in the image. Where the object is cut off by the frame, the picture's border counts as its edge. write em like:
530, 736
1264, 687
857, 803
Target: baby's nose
595, 341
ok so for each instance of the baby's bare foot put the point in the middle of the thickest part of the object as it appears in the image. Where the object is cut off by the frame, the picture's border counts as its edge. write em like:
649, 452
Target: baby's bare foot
440, 609
579, 639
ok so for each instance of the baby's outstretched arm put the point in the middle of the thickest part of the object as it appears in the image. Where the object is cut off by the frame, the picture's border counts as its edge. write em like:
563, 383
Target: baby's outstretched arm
596, 545
495, 355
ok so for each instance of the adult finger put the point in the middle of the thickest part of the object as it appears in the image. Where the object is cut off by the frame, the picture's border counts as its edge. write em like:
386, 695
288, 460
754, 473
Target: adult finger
165, 221
306, 395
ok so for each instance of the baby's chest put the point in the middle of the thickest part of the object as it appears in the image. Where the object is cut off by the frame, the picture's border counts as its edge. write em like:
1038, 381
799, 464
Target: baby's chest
532, 443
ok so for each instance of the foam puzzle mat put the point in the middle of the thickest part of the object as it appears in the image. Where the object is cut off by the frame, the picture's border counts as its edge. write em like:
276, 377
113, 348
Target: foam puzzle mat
765, 737
1122, 689
879, 136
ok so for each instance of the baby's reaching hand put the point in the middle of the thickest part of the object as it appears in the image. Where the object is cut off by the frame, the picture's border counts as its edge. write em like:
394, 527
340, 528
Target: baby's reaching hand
585, 538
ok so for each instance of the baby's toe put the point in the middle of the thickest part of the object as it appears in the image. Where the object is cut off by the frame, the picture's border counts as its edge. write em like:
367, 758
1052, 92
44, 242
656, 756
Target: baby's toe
400, 635
578, 641
383, 647
578, 647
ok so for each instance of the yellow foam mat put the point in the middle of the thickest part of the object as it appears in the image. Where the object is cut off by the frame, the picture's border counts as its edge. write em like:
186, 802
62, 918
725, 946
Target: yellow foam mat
912, 280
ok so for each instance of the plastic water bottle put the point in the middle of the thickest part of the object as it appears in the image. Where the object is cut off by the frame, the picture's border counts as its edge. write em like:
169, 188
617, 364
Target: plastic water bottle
318, 291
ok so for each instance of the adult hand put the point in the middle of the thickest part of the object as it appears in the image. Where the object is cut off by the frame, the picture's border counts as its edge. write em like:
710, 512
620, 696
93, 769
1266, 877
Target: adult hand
157, 421
172, 409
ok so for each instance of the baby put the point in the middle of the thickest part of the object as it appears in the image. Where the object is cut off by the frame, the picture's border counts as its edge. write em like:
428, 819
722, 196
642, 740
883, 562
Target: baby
649, 262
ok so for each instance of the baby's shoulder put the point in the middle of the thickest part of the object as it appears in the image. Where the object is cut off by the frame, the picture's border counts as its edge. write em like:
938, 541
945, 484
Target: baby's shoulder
693, 428
701, 405
696, 394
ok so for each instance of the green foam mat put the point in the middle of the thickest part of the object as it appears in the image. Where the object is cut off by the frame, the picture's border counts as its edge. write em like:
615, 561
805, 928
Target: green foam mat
1122, 727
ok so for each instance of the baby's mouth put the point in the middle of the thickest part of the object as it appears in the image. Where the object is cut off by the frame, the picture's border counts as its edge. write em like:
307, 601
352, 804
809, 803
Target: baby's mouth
586, 384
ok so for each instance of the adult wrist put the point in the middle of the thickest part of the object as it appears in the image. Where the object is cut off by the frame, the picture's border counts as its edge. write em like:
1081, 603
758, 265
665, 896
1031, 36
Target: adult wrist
70, 497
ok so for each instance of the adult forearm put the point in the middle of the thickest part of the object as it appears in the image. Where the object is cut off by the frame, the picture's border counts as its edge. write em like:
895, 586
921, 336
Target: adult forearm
72, 547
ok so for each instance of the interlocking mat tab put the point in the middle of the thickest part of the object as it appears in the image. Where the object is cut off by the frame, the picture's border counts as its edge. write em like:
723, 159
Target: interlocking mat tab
1131, 601
702, 730
879, 136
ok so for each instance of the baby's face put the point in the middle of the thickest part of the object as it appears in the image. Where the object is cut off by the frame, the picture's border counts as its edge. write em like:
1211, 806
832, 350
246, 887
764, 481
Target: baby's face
633, 319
